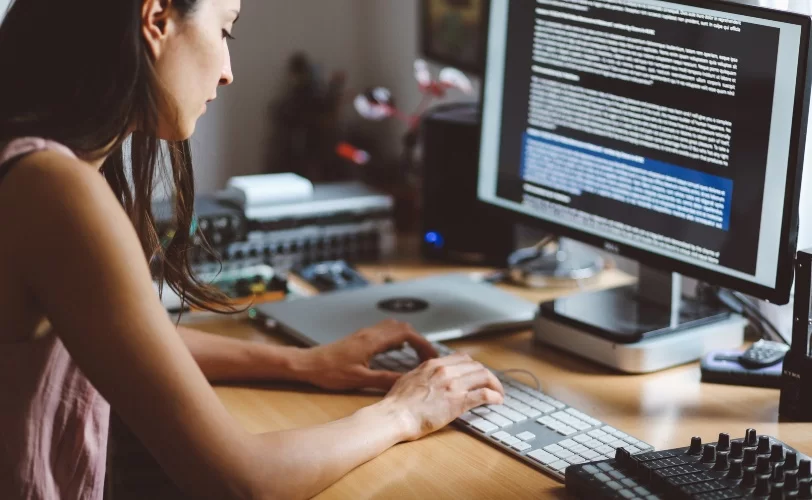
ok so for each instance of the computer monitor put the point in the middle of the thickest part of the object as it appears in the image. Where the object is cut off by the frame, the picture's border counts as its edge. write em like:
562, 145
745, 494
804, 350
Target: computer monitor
452, 32
671, 132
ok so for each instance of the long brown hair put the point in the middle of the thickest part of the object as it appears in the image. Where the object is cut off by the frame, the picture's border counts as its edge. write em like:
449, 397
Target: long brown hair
80, 73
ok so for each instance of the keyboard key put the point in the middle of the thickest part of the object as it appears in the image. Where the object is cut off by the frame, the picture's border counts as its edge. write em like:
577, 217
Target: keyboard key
605, 467
484, 426
627, 494
642, 491
566, 430
582, 438
589, 455
593, 444
500, 435
606, 450
575, 460
510, 441
567, 443
597, 433
561, 465
548, 421
633, 449
542, 457
563, 454
526, 436
553, 448
497, 419
609, 430
521, 446
619, 444
507, 412
629, 483
580, 425
579, 448
468, 417
530, 412
616, 474
481, 411
541, 406
606, 439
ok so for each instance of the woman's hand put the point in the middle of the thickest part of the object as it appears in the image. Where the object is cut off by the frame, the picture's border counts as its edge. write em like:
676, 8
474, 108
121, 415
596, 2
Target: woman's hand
344, 364
440, 390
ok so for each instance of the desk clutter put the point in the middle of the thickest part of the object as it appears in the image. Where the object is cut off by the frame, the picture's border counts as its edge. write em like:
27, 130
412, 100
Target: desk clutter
284, 223
749, 467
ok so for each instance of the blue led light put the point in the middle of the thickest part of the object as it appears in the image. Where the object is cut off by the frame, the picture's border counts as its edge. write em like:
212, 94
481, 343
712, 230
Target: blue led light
435, 239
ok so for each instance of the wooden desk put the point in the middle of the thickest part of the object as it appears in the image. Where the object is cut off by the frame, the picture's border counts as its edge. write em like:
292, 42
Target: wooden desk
664, 409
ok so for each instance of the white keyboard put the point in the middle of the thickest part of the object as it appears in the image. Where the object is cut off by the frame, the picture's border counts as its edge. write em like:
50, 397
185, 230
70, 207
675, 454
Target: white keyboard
541, 431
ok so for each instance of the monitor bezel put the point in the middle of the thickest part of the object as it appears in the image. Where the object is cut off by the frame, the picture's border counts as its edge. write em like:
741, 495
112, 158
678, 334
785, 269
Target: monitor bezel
478, 68
780, 294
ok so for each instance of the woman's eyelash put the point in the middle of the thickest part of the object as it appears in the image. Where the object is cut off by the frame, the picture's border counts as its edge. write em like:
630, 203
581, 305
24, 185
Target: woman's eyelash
226, 34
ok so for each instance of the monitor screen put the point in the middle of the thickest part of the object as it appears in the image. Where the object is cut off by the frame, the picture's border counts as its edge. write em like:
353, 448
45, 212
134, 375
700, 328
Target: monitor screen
670, 132
453, 33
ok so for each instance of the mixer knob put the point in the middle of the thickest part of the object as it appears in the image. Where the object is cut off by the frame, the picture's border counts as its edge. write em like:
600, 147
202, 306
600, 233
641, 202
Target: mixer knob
748, 478
777, 453
791, 461
749, 457
736, 450
777, 492
763, 445
790, 482
722, 462
736, 471
763, 487
763, 466
709, 454
805, 469
805, 490
778, 474
696, 446
751, 438
724, 442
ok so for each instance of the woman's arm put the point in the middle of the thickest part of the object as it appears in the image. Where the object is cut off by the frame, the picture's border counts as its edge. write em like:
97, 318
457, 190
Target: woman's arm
223, 359
81, 261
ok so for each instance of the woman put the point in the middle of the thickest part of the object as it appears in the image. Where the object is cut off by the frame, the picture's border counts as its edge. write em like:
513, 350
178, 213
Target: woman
78, 313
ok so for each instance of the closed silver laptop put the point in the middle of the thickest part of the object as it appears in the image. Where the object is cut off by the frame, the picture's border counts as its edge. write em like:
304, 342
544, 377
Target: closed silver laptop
440, 307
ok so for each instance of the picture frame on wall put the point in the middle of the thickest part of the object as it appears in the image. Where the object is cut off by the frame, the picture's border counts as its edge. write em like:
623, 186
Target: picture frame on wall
453, 33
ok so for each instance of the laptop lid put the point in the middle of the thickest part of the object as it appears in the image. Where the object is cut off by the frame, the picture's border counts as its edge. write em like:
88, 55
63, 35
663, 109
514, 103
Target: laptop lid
440, 307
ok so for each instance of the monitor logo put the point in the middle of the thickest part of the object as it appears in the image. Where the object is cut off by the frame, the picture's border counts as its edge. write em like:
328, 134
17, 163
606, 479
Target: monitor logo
611, 247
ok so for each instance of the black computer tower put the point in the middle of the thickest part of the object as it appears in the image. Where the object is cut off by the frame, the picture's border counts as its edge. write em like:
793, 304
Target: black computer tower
456, 227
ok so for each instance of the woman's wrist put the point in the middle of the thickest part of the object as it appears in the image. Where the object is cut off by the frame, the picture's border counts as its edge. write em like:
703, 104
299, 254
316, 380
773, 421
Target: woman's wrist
394, 416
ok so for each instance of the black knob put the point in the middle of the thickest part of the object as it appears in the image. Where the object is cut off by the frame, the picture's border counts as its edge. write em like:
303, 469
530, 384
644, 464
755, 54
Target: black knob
724, 442
763, 466
763, 445
696, 446
736, 471
751, 438
709, 454
763, 487
778, 474
805, 490
736, 450
622, 456
790, 482
722, 462
805, 469
777, 492
749, 457
748, 478
791, 461
777, 453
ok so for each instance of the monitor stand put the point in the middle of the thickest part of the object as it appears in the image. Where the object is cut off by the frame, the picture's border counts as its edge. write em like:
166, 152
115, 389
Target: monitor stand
640, 328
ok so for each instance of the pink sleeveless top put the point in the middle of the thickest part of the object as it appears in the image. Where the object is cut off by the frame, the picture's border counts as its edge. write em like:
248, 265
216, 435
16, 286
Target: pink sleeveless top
53, 422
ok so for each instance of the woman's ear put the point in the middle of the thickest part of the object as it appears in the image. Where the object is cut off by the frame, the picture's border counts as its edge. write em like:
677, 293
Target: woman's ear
155, 19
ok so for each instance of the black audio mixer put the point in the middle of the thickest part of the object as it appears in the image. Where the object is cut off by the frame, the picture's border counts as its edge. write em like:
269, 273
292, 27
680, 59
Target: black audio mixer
751, 467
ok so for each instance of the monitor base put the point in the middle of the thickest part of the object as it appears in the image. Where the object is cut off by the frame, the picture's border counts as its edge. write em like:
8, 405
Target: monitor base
617, 329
